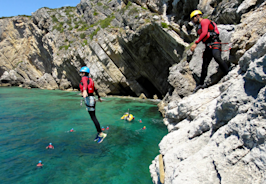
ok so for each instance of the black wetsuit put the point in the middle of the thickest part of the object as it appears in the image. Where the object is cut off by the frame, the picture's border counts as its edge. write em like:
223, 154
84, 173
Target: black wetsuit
209, 34
90, 101
93, 116
208, 54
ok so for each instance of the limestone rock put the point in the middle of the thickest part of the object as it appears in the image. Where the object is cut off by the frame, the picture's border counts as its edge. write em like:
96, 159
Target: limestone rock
47, 81
217, 134
249, 31
59, 42
254, 57
142, 96
155, 97
180, 77
64, 84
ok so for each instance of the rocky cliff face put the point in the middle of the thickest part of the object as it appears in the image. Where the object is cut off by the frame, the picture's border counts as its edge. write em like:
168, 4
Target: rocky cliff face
127, 49
216, 135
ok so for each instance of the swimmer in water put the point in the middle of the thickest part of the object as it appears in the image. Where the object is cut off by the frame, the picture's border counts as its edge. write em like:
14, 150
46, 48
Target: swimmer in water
50, 146
40, 164
144, 128
140, 121
72, 130
107, 128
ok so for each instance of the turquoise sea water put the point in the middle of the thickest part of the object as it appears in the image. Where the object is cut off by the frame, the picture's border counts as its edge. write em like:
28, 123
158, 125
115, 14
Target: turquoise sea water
32, 118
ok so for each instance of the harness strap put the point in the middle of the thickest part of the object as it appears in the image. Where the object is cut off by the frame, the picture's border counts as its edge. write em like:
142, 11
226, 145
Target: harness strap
212, 46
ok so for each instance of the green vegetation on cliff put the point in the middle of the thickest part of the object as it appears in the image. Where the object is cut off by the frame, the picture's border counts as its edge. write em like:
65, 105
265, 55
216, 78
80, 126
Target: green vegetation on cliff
164, 25
94, 33
106, 22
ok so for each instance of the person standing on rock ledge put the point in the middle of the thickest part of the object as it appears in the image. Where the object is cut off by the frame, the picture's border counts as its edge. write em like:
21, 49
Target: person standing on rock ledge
208, 34
87, 89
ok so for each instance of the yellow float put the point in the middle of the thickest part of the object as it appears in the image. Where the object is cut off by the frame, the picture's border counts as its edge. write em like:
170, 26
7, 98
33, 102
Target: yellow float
128, 117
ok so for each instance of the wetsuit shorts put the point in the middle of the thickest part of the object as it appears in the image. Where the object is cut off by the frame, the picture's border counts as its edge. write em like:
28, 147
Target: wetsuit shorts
90, 103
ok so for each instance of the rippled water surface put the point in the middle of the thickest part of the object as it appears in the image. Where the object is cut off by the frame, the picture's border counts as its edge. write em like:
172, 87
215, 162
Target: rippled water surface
32, 118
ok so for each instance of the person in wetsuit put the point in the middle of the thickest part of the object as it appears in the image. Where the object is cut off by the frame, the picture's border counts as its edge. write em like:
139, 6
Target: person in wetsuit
50, 146
208, 34
40, 164
87, 89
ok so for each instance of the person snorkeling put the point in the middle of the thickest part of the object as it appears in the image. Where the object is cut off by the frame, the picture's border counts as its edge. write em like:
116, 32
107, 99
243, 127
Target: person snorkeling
208, 34
50, 146
128, 117
87, 89
40, 164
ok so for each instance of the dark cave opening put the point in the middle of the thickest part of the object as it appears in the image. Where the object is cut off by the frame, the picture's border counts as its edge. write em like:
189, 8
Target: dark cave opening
1, 71
125, 91
149, 88
5, 81
169, 8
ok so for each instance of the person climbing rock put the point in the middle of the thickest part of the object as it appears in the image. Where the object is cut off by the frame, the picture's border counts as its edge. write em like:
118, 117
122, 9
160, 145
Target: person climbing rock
87, 89
208, 34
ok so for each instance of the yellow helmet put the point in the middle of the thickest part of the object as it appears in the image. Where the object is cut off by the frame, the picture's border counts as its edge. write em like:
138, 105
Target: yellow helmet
194, 13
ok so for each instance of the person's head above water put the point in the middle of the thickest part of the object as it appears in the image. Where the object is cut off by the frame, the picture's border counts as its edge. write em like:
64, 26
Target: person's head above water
40, 161
50, 143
